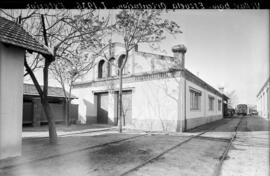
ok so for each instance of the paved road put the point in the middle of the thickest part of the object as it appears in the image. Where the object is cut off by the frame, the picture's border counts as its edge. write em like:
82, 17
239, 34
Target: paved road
111, 153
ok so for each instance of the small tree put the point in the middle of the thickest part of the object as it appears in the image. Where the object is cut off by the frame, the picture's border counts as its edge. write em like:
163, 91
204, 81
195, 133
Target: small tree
77, 59
67, 71
139, 26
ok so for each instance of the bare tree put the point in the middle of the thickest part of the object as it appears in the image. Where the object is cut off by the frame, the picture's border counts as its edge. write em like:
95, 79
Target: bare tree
139, 26
233, 98
77, 59
59, 30
67, 71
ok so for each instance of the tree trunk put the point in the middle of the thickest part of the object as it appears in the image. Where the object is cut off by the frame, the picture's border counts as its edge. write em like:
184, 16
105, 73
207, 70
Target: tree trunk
46, 106
68, 103
120, 100
51, 125
66, 111
66, 97
44, 100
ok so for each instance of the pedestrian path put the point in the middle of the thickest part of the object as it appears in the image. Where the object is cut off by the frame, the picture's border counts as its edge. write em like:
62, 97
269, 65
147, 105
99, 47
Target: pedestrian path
249, 155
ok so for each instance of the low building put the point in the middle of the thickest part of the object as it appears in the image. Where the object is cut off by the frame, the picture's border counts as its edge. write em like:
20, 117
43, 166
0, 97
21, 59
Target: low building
32, 109
159, 93
263, 100
14, 42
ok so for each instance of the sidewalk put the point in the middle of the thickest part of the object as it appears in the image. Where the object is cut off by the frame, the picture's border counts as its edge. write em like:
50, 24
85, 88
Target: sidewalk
249, 154
63, 130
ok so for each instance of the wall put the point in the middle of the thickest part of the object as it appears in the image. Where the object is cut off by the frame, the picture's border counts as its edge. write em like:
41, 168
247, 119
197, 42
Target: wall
87, 105
156, 104
203, 115
11, 100
263, 101
116, 52
148, 62
33, 111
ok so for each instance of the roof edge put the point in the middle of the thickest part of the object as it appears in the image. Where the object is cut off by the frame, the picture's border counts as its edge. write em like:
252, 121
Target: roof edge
261, 89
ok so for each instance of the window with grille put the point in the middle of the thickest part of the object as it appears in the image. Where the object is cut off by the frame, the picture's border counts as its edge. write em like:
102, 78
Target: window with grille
219, 105
195, 99
211, 103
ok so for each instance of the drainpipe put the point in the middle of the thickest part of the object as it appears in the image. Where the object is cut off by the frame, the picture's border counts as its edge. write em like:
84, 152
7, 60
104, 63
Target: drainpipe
179, 54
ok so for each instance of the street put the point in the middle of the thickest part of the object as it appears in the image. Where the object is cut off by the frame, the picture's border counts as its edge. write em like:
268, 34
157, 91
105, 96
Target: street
231, 146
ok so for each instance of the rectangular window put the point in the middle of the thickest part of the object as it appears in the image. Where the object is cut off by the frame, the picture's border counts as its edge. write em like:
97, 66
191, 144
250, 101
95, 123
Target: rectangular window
219, 105
211, 103
195, 99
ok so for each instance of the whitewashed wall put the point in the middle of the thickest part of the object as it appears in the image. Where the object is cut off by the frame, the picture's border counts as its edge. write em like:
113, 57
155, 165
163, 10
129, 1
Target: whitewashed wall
263, 102
203, 115
87, 105
156, 104
11, 100
138, 62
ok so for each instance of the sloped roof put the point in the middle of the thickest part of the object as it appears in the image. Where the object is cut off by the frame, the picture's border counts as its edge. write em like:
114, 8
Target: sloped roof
12, 33
30, 89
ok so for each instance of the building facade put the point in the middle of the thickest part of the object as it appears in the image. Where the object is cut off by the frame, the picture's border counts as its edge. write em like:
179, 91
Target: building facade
158, 92
263, 100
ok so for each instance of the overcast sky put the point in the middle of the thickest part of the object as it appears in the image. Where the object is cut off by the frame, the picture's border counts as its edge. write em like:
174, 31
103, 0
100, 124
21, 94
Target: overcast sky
227, 48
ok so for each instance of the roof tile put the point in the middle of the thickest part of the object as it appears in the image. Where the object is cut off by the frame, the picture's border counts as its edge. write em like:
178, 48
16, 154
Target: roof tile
30, 89
12, 33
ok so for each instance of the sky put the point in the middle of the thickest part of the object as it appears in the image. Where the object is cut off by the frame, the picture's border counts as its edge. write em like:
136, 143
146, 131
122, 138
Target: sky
227, 48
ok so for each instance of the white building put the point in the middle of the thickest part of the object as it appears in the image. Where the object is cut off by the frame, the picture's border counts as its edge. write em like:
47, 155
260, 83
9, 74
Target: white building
263, 100
14, 41
159, 93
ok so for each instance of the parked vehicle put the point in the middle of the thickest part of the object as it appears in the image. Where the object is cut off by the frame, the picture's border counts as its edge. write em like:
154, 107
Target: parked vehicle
229, 112
254, 112
242, 109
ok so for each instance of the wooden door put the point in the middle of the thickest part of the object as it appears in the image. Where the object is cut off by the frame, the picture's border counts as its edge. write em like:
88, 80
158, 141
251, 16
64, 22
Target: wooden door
102, 108
127, 107
27, 113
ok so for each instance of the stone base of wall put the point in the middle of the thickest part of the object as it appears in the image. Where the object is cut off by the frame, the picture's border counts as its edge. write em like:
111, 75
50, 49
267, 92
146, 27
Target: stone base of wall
93, 120
90, 120
163, 125
171, 125
155, 125
195, 122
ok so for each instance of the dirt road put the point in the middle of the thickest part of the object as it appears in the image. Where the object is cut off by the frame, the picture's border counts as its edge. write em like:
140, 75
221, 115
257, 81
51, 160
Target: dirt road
197, 152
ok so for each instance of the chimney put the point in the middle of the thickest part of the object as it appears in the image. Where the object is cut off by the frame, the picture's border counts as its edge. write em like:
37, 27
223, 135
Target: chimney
221, 89
179, 54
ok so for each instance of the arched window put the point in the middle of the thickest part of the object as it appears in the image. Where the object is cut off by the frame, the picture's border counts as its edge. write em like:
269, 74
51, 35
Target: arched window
120, 62
111, 70
101, 69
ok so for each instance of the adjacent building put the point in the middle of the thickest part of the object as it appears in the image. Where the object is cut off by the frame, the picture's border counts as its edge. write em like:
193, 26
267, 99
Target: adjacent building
159, 93
32, 108
14, 41
263, 100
